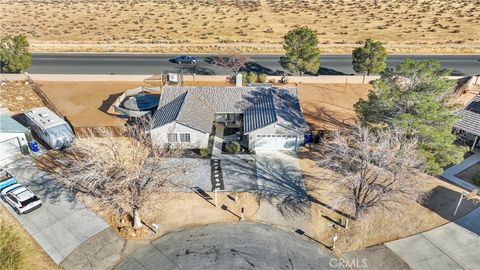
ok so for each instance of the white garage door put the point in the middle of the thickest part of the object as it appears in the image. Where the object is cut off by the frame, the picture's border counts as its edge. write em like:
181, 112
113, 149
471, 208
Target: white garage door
9, 148
275, 142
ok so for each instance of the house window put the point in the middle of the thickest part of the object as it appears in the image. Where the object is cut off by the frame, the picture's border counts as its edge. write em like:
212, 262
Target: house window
172, 137
185, 137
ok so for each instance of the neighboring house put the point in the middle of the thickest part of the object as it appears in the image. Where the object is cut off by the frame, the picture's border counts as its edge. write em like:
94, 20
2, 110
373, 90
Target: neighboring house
267, 118
13, 138
469, 127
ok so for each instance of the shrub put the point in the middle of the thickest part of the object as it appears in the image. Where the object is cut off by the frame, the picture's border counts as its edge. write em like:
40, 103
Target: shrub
11, 256
244, 76
251, 77
476, 179
204, 152
232, 147
284, 79
262, 78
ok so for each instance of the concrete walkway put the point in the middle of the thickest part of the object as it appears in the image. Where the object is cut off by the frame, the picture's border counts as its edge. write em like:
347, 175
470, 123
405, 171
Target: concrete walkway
231, 246
451, 246
218, 142
450, 173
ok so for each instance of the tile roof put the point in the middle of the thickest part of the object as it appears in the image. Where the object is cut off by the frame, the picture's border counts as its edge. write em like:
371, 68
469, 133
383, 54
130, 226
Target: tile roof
471, 117
195, 106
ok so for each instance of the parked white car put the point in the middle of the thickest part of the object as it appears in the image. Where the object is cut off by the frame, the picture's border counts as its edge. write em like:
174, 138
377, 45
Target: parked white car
19, 197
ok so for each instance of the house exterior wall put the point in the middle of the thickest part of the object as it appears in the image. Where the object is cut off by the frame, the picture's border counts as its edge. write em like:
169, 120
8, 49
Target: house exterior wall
7, 136
274, 129
10, 145
197, 139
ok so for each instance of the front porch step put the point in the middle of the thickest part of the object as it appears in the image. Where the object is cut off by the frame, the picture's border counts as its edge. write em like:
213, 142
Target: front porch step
216, 175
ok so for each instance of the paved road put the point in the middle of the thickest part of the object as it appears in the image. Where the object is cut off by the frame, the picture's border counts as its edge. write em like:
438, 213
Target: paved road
78, 63
62, 223
231, 246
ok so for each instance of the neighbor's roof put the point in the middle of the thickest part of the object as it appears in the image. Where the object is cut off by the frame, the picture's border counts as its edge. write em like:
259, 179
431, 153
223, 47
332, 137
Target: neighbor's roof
471, 117
10, 125
195, 106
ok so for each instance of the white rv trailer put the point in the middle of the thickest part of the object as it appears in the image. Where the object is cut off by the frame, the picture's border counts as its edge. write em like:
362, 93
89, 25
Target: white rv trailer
50, 127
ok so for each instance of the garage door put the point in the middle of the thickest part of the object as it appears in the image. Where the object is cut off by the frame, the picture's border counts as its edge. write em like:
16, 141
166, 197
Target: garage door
9, 148
275, 142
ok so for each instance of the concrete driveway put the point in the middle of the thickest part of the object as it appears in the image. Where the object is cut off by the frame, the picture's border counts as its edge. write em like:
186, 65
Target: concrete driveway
231, 246
283, 198
452, 246
62, 223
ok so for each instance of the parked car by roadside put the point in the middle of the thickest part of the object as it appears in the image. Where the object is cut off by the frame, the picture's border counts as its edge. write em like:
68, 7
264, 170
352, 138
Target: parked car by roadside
52, 129
185, 59
19, 197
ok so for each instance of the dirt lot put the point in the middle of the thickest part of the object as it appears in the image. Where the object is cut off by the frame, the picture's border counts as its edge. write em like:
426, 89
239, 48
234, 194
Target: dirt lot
34, 256
19, 97
437, 26
330, 106
86, 104
380, 227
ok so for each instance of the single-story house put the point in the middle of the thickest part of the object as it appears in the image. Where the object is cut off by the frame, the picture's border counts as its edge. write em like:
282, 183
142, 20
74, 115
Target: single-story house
13, 138
468, 128
267, 118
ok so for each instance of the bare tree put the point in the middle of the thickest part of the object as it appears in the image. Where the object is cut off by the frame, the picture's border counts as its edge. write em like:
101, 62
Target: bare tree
119, 170
375, 169
233, 62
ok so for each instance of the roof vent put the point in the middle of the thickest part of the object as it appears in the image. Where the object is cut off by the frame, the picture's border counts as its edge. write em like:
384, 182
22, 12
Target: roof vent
44, 115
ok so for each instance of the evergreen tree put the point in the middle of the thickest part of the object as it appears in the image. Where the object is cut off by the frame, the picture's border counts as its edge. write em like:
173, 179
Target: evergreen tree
370, 58
418, 98
302, 53
14, 53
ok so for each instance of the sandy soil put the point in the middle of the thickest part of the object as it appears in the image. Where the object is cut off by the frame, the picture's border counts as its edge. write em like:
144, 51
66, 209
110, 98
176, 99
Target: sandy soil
330, 106
438, 26
19, 97
34, 256
380, 227
86, 104
181, 210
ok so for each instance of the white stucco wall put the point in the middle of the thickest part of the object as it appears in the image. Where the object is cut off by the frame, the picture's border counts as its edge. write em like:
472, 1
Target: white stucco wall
198, 139
274, 129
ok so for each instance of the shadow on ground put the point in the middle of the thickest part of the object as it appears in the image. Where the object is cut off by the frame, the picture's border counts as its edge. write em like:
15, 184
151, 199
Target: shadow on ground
443, 201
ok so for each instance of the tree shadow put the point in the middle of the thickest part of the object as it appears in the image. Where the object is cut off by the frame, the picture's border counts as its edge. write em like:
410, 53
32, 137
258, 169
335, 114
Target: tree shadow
282, 185
443, 202
322, 115
42, 183
329, 71
259, 69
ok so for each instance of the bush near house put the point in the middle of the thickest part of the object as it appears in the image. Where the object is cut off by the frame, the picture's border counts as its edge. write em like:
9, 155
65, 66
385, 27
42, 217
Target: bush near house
232, 147
204, 152
262, 78
251, 77
476, 179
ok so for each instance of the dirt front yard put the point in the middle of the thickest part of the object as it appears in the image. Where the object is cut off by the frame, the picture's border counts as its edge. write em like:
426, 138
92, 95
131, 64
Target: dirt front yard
379, 227
330, 106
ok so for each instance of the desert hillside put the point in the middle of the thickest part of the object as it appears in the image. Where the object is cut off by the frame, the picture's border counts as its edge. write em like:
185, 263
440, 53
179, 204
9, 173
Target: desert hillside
433, 26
